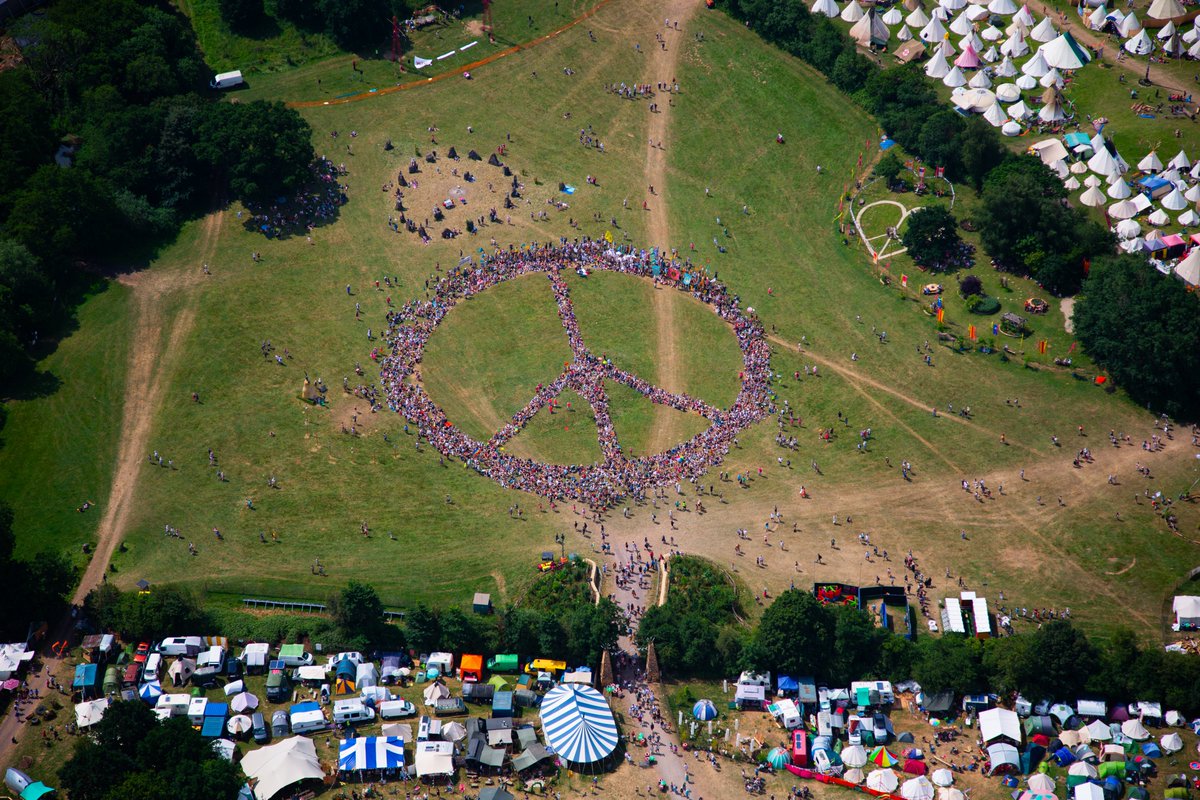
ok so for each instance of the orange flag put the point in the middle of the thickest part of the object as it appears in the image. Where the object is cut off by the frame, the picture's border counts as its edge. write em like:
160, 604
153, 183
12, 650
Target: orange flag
971, 332
941, 315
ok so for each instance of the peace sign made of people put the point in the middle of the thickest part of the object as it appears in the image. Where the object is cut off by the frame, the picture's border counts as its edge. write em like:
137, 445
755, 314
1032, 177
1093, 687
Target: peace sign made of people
617, 475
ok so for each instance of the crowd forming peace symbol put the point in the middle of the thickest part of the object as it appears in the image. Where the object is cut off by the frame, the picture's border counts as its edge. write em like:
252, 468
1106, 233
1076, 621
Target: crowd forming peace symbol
617, 474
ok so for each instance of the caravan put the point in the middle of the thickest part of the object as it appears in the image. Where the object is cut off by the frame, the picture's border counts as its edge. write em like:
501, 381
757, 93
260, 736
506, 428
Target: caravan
307, 718
350, 712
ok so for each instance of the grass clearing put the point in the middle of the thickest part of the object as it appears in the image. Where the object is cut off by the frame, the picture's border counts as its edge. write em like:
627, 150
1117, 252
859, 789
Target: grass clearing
566, 436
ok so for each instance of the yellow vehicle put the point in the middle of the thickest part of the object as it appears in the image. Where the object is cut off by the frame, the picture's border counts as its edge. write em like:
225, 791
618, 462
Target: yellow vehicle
545, 665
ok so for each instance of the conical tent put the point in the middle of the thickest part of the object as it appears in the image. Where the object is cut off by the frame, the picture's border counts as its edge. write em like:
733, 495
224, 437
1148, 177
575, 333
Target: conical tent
1172, 743
1044, 31
882, 757
1120, 190
941, 777
882, 780
854, 756
1166, 31
1071, 184
1065, 53
967, 59
1052, 111
904, 34
853, 775
1174, 46
870, 31
918, 18
937, 66
1024, 17
1193, 193
1166, 9
992, 34
995, 115
1006, 69
933, 32
1036, 67
961, 24
827, 7
1051, 78
1139, 45
918, 788
990, 55
1175, 201
1097, 18
1018, 110
1102, 163
1004, 7
945, 47
1092, 197
1189, 271
1151, 163
971, 40
980, 81
1129, 25
1026, 82
1123, 209
1015, 45
1158, 218
853, 12
1180, 161
892, 17
954, 78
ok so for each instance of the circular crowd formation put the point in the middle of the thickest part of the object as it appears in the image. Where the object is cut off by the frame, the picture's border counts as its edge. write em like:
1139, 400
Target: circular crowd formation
602, 484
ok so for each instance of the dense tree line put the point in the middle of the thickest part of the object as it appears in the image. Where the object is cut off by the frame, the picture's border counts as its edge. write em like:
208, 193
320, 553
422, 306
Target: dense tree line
835, 645
576, 631
35, 589
696, 631
1143, 327
132, 755
121, 86
353, 24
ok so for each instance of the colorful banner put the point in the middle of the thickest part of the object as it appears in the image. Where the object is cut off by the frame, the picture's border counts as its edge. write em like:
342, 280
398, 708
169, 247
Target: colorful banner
941, 315
971, 332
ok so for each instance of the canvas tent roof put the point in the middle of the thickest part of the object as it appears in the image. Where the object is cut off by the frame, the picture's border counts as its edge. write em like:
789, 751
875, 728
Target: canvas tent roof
273, 768
534, 753
1065, 53
91, 712
999, 723
869, 30
578, 723
1166, 9
434, 758
1189, 269
371, 752
1002, 756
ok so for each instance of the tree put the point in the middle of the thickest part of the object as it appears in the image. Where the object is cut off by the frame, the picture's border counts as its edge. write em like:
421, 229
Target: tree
262, 150
423, 627
92, 771
939, 141
1141, 326
1049, 666
950, 663
357, 609
932, 239
794, 636
889, 168
856, 644
59, 211
970, 285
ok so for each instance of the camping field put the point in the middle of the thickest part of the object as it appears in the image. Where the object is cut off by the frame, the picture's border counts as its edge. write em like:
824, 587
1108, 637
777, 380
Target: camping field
755, 212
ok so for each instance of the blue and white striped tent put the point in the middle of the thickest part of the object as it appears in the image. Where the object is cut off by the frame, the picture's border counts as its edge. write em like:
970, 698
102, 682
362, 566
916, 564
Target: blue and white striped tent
150, 691
578, 723
371, 752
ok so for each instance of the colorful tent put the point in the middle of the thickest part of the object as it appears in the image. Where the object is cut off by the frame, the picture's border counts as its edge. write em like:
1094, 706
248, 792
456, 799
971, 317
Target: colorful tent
882, 757
371, 752
704, 710
778, 758
578, 723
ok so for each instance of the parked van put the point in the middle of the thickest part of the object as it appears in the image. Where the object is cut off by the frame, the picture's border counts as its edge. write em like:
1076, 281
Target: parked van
259, 725
545, 665
227, 80
181, 646
293, 655
349, 712
307, 718
396, 709
279, 688
153, 665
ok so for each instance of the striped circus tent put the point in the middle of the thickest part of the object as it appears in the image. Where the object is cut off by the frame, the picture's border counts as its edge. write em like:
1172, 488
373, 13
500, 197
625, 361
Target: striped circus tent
371, 752
578, 723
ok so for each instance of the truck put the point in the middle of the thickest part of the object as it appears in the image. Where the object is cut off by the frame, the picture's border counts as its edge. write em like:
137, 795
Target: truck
227, 80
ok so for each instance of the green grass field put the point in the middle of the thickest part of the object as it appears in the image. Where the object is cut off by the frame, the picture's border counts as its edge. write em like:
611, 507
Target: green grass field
783, 257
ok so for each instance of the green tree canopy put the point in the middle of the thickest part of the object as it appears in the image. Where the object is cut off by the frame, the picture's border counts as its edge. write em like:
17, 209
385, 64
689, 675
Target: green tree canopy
795, 636
1142, 327
931, 236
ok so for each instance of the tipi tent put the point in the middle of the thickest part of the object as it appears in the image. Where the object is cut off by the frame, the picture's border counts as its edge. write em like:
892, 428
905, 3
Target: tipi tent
1044, 31
995, 115
1006, 7
870, 30
892, 17
1006, 69
1151, 163
1036, 67
1188, 271
1175, 201
954, 78
1052, 110
1015, 45
827, 7
968, 59
853, 12
1166, 9
1065, 53
1129, 25
1166, 32
1139, 45
918, 18
980, 81
933, 32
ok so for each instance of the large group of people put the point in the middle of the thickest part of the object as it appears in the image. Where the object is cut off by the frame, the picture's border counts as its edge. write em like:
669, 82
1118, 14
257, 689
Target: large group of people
319, 201
597, 485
